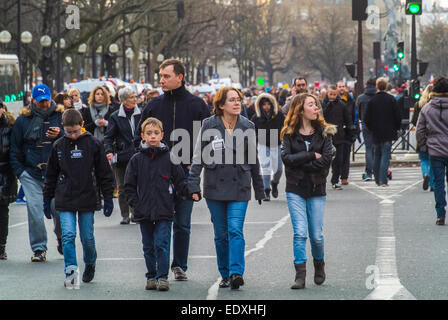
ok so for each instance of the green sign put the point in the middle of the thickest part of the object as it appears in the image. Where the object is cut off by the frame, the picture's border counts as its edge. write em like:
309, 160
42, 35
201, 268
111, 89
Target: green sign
260, 81
414, 8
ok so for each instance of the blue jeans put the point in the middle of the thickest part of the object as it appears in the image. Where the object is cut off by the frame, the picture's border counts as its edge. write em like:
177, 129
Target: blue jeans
35, 207
68, 225
307, 215
367, 135
156, 239
228, 222
181, 233
381, 152
439, 167
426, 168
271, 164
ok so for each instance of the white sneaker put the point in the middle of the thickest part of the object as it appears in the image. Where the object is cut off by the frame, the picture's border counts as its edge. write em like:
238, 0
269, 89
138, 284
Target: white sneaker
72, 280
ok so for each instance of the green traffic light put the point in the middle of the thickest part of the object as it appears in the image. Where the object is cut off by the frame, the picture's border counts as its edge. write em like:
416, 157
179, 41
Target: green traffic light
400, 55
414, 8
396, 67
417, 96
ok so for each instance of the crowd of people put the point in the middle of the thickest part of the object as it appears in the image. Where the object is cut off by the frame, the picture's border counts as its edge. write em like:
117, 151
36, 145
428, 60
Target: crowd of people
70, 156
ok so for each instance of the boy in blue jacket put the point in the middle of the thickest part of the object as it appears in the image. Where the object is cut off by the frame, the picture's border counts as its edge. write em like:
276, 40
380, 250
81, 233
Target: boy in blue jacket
152, 185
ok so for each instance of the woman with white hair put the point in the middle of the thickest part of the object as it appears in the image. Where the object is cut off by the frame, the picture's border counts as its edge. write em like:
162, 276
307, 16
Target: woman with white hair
118, 142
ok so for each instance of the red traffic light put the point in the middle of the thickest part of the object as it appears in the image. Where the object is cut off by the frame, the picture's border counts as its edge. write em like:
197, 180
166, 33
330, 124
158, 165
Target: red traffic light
386, 68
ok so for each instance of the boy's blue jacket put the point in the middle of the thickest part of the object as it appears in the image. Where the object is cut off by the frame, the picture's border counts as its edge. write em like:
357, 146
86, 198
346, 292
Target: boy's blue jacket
152, 184
77, 172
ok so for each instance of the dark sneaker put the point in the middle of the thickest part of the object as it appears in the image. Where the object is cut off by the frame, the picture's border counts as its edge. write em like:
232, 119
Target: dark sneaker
337, 186
236, 280
59, 247
426, 182
225, 283
125, 221
179, 274
366, 177
345, 182
39, 256
440, 221
274, 187
3, 255
268, 195
151, 284
431, 189
89, 273
72, 280
163, 285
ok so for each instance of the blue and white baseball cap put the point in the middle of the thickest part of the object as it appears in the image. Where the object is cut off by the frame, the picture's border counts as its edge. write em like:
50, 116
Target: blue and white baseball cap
41, 92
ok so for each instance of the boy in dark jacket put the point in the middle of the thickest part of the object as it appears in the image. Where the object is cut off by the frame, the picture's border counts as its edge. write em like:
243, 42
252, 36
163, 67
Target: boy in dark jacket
76, 167
151, 183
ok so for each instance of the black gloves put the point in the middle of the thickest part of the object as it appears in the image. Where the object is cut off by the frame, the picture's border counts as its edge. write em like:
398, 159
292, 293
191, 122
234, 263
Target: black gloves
47, 208
108, 206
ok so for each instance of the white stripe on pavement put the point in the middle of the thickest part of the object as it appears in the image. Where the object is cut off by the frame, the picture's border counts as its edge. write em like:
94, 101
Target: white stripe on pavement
18, 225
213, 291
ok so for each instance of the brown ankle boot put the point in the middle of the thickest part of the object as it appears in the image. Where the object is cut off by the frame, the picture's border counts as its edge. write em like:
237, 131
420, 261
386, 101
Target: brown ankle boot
319, 271
300, 276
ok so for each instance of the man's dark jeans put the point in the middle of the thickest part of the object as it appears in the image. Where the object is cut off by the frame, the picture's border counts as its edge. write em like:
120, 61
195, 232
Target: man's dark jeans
367, 136
439, 166
381, 153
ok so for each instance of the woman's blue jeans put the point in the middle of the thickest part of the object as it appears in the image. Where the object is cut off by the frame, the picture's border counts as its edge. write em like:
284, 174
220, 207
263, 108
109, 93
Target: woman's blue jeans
439, 166
307, 215
68, 225
228, 221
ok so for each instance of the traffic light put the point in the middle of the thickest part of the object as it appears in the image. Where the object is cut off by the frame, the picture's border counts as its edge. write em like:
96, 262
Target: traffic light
400, 50
422, 66
396, 66
415, 90
180, 10
414, 7
359, 8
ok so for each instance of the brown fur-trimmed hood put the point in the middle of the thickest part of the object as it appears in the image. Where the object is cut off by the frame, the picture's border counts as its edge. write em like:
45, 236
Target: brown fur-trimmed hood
27, 111
271, 98
438, 94
330, 129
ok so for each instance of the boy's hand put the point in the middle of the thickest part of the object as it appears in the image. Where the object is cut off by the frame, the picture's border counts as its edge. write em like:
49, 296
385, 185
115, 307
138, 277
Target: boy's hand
108, 206
47, 208
110, 157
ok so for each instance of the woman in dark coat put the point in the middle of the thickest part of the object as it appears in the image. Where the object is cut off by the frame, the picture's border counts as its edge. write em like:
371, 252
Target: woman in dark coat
230, 164
8, 182
307, 152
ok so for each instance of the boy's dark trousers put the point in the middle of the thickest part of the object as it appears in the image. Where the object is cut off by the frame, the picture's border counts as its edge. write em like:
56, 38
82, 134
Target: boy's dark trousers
156, 238
4, 219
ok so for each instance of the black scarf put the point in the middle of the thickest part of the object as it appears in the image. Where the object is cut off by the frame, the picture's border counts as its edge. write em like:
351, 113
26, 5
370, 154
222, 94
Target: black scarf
34, 131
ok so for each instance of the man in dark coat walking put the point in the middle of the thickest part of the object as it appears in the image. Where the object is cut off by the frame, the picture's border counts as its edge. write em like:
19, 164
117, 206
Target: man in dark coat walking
383, 119
177, 108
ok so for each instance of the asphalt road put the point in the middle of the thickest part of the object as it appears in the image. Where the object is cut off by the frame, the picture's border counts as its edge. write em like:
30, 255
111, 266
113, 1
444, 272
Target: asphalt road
390, 230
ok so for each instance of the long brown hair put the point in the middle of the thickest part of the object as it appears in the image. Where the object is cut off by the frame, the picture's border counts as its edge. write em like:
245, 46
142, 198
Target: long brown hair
91, 100
294, 118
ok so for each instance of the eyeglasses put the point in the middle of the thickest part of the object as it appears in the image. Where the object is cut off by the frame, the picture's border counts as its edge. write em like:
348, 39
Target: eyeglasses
233, 101
71, 133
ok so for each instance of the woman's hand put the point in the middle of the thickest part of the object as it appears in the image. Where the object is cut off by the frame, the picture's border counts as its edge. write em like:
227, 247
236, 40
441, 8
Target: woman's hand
318, 155
196, 196
110, 156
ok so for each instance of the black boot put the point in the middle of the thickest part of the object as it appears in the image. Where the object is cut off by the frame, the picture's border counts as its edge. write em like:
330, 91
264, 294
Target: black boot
300, 276
3, 255
274, 190
319, 271
268, 194
89, 273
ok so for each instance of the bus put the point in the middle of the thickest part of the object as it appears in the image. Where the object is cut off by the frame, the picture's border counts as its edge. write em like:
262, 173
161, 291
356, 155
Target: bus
10, 91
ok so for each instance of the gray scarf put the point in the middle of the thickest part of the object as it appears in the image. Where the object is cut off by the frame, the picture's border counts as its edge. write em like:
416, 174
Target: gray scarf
97, 112
35, 131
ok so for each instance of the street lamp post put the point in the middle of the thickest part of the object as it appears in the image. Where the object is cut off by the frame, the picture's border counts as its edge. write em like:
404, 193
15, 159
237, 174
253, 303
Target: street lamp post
5, 38
82, 49
26, 37
113, 49
130, 56
45, 63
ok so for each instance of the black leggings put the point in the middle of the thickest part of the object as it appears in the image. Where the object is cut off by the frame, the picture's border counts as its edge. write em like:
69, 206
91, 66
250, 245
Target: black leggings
4, 221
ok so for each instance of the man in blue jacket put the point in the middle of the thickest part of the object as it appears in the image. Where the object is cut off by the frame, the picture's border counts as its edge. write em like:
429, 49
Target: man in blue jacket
177, 108
31, 141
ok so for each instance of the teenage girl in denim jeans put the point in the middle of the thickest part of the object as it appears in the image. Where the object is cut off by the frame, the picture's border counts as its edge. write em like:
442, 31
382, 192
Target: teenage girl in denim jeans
307, 151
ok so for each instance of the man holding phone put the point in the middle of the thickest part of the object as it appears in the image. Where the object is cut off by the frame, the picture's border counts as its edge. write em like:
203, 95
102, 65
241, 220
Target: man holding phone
32, 137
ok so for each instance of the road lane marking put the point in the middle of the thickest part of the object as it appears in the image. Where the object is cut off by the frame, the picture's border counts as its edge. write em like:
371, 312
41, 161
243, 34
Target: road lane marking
18, 225
138, 259
213, 290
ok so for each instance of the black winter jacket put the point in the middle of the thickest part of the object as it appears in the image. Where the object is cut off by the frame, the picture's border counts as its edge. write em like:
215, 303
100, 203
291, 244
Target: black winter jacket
89, 124
273, 122
304, 173
337, 113
119, 137
363, 100
153, 184
8, 182
177, 109
77, 171
383, 117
